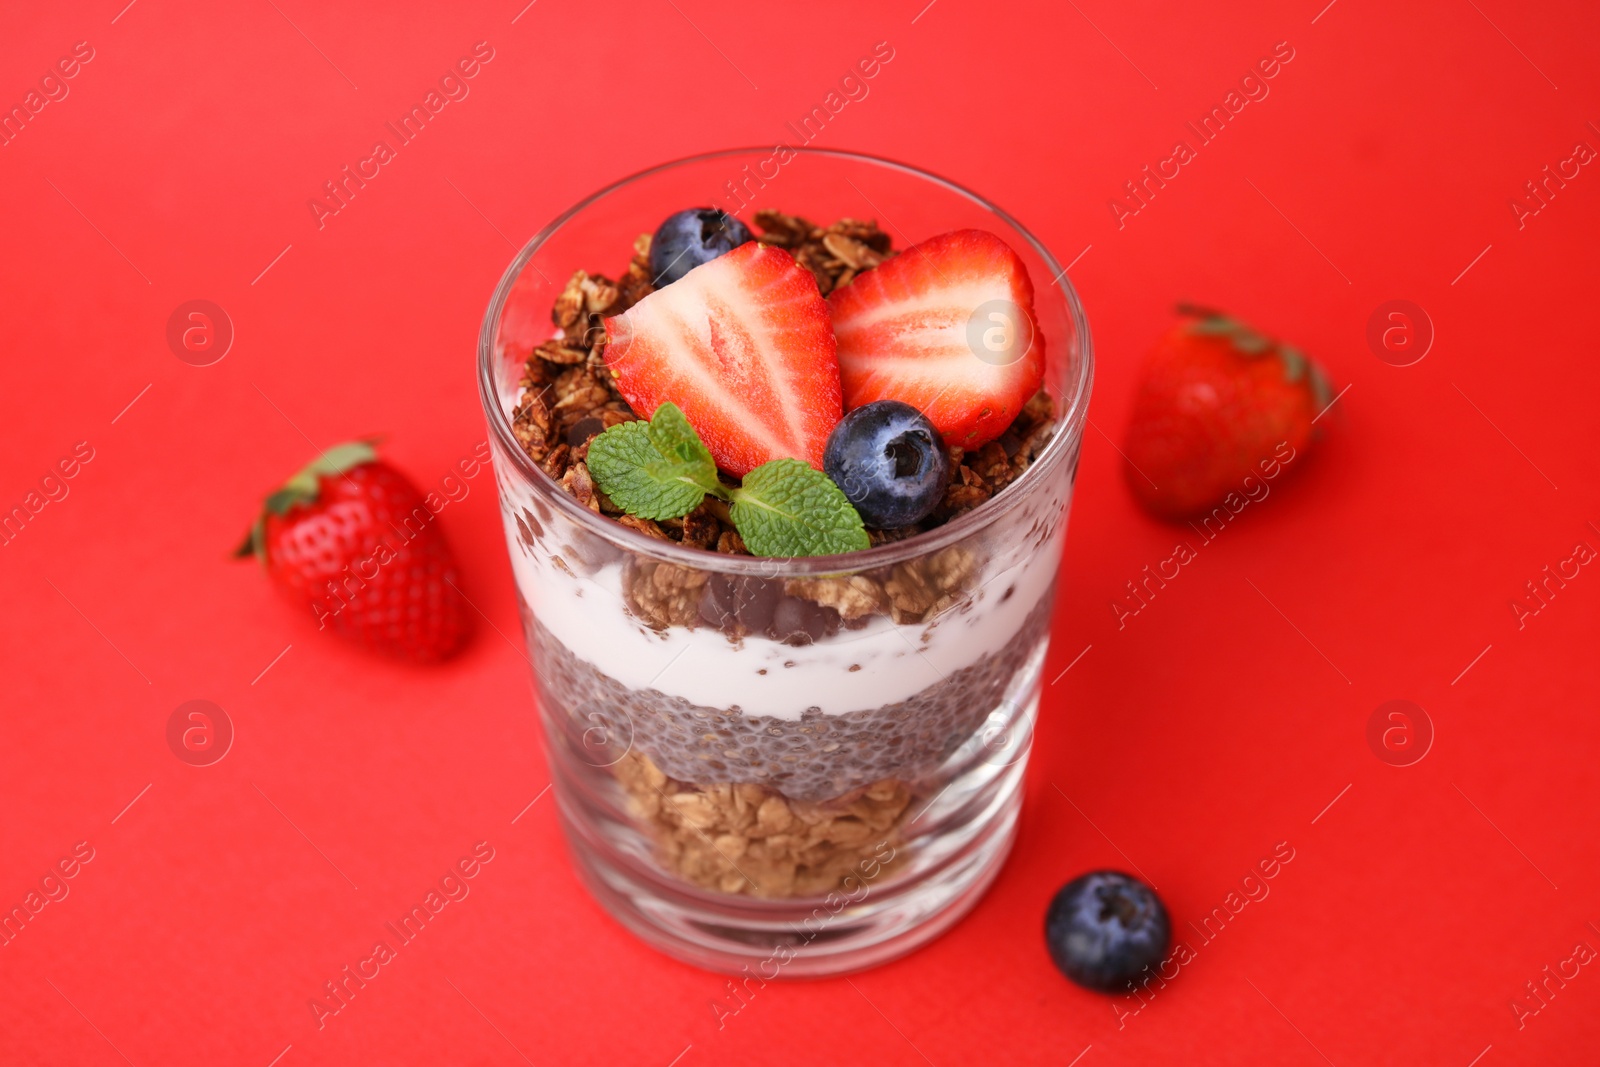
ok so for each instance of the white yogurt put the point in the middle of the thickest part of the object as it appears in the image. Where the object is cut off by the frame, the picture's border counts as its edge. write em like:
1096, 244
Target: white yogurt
587, 614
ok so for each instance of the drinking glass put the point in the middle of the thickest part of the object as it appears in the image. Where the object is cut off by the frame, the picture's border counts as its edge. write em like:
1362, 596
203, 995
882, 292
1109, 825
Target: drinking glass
790, 767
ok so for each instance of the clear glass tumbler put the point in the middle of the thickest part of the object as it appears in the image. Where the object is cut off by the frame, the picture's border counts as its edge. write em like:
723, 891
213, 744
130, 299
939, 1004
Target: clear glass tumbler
825, 802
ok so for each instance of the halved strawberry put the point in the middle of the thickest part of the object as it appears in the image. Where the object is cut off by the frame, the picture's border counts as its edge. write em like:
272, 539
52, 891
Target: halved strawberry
947, 327
742, 344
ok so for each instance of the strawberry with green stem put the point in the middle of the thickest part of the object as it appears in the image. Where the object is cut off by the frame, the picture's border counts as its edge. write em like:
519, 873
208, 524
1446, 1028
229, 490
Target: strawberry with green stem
350, 540
1217, 402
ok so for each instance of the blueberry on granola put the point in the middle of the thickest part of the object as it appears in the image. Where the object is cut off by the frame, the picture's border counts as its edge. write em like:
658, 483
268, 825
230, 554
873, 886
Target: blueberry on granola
890, 462
690, 238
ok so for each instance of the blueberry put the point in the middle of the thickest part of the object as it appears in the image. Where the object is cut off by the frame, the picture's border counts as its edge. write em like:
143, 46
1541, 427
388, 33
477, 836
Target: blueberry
890, 462
691, 238
1104, 928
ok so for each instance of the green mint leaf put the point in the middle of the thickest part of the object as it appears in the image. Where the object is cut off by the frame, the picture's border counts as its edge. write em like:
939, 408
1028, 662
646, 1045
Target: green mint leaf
788, 508
676, 440
656, 469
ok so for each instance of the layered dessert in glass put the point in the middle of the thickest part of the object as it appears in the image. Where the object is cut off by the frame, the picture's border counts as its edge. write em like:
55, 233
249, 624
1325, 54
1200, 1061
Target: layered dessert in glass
786, 735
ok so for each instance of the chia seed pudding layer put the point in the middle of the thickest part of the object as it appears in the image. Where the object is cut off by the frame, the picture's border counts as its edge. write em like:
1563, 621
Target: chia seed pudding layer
815, 757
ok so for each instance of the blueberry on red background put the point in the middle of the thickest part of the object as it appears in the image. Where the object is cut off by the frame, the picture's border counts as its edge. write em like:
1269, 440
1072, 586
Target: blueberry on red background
690, 238
1104, 928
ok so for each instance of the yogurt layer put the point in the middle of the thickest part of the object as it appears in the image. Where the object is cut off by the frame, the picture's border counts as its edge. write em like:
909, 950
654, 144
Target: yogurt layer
855, 670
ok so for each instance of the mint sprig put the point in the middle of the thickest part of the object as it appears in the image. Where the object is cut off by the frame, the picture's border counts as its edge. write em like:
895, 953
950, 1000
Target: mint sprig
656, 469
661, 470
789, 508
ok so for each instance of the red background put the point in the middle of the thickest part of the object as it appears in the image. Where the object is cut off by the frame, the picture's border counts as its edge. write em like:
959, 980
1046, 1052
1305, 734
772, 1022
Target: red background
1221, 720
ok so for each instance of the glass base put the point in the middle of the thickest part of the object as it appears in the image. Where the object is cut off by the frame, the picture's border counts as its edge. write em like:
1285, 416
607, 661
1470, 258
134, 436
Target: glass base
800, 938
943, 860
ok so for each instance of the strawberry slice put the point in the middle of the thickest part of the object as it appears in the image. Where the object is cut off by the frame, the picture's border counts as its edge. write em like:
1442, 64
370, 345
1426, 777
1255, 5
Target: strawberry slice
947, 327
742, 344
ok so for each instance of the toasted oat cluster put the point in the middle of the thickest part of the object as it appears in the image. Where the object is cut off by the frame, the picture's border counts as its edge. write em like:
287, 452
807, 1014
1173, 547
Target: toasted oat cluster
569, 397
745, 838
799, 611
834, 255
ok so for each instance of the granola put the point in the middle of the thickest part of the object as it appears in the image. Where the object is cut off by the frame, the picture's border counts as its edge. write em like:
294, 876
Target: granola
569, 398
746, 838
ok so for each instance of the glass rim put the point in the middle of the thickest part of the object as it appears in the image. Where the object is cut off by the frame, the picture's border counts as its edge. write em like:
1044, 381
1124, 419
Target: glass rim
1069, 423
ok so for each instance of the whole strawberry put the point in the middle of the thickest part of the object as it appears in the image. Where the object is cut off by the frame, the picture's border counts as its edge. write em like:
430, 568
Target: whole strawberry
1218, 409
350, 539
